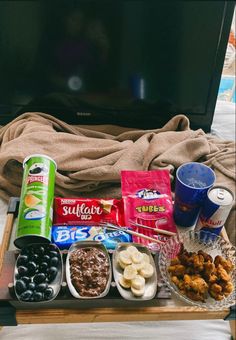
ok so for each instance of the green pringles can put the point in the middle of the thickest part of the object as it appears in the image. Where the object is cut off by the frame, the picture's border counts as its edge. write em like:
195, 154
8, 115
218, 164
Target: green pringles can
36, 201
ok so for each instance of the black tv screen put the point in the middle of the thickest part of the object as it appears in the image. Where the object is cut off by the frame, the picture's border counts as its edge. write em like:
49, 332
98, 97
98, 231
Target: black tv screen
131, 63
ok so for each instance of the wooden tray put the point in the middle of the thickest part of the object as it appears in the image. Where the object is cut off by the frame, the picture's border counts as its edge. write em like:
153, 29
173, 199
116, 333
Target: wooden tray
66, 309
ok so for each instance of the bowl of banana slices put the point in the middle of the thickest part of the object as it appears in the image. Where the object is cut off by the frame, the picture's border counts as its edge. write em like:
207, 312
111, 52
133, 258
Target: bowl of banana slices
134, 271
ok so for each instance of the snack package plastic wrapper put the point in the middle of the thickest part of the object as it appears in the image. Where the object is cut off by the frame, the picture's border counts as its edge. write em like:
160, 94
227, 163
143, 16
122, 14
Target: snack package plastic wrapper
87, 211
64, 236
148, 201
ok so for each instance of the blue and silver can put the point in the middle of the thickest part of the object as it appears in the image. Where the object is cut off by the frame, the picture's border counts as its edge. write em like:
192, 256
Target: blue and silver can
215, 210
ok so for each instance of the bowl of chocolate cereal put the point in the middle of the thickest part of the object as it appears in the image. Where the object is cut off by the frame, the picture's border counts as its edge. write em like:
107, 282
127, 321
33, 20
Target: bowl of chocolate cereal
88, 270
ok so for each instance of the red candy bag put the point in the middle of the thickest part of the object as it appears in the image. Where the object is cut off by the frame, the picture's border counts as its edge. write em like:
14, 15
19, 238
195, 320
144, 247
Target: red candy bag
148, 201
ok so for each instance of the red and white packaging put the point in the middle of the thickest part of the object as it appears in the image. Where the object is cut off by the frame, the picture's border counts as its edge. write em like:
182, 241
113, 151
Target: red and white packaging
87, 211
148, 201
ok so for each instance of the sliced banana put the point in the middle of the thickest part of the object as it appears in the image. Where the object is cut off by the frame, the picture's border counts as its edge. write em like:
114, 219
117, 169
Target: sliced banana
136, 268
124, 283
147, 271
146, 258
138, 282
121, 264
124, 256
137, 292
137, 257
132, 249
139, 265
130, 272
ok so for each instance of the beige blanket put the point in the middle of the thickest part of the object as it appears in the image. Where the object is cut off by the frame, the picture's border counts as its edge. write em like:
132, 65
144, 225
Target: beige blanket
90, 158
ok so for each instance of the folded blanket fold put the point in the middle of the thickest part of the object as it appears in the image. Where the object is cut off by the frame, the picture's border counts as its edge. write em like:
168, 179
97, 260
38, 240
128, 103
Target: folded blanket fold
90, 158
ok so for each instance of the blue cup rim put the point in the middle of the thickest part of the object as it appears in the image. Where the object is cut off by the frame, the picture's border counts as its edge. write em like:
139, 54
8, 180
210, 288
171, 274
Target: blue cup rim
189, 186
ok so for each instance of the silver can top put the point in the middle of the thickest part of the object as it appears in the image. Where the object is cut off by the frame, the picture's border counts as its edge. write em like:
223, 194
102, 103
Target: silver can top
39, 155
221, 195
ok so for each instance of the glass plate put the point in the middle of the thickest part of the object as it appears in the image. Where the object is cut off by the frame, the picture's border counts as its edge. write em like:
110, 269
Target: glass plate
194, 241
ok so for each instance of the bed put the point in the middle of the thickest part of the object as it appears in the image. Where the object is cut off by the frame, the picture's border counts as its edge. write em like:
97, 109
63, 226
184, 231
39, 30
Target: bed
224, 127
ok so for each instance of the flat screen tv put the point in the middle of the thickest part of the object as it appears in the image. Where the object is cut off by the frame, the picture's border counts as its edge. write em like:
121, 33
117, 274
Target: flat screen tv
130, 63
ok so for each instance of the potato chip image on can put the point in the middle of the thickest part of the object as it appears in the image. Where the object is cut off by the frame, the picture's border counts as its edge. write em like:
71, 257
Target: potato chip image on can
31, 200
36, 201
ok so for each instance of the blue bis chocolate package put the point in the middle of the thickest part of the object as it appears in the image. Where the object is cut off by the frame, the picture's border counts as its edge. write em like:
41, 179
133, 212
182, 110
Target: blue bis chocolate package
64, 236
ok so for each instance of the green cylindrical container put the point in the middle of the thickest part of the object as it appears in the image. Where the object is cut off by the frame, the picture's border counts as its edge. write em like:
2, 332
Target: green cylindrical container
36, 201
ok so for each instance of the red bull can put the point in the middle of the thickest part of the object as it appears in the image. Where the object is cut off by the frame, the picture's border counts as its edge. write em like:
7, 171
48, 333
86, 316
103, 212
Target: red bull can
215, 210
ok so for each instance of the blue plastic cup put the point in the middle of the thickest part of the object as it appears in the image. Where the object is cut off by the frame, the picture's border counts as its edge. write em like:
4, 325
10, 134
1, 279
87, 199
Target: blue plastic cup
192, 183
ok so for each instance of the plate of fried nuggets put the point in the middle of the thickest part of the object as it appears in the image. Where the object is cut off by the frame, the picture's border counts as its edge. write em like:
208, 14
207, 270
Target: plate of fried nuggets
200, 273
197, 275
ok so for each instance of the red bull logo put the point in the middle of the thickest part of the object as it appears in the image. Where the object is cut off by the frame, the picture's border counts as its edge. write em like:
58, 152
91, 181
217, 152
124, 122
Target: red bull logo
210, 222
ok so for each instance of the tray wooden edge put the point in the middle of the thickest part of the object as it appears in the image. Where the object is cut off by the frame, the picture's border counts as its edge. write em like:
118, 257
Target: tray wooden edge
115, 315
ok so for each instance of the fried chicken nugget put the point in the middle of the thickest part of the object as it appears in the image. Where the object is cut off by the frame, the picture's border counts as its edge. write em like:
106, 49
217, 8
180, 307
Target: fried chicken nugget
175, 280
212, 278
198, 262
187, 281
208, 269
216, 296
178, 282
215, 291
222, 273
195, 283
175, 261
186, 258
207, 257
195, 296
200, 285
226, 264
227, 287
216, 288
177, 270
